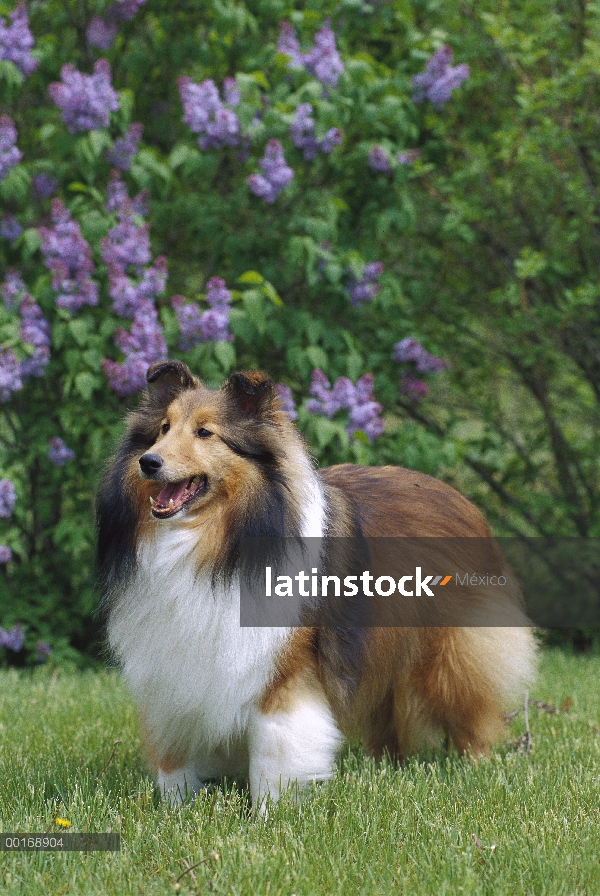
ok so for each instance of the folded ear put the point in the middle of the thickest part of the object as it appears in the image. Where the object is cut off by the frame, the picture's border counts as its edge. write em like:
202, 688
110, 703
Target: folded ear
166, 379
252, 392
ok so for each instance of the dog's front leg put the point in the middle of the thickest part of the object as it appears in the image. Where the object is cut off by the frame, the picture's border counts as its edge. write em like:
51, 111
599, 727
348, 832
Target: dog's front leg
294, 743
178, 785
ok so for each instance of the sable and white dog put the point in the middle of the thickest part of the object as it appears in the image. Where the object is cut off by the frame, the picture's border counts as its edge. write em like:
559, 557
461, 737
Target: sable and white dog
197, 471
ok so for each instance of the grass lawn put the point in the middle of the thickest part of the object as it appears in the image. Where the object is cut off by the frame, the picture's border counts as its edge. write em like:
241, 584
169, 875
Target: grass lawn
516, 824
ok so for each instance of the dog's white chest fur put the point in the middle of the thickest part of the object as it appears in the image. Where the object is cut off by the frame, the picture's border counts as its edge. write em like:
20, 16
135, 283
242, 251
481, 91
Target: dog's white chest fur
194, 671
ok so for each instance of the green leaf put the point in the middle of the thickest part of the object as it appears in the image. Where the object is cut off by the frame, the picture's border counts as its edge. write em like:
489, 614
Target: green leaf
225, 355
30, 239
252, 277
260, 79
272, 294
254, 306
85, 383
317, 356
79, 330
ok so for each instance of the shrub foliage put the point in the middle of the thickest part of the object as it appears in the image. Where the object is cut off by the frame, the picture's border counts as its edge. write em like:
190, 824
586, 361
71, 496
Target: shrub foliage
392, 207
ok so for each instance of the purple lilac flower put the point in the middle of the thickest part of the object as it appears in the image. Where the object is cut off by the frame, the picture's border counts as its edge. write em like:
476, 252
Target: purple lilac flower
231, 92
10, 378
12, 288
142, 345
133, 282
287, 402
125, 148
13, 639
408, 157
35, 331
8, 498
411, 350
378, 160
276, 176
5, 554
10, 228
85, 100
9, 154
123, 10
439, 79
16, 41
69, 258
58, 452
357, 399
206, 115
43, 651
211, 325
101, 34
414, 388
365, 289
302, 132
289, 44
43, 185
322, 60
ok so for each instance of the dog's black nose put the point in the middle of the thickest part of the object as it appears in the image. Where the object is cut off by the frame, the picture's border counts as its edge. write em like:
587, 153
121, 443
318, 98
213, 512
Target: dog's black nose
151, 464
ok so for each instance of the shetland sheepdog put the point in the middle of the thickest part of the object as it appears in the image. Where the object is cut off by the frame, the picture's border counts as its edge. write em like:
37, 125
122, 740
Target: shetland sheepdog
197, 471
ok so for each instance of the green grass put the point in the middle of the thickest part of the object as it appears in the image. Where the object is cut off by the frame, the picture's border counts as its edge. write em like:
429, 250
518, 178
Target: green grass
374, 829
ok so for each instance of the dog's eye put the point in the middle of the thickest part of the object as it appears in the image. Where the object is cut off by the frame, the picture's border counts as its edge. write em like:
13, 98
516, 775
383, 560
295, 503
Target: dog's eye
203, 433
165, 428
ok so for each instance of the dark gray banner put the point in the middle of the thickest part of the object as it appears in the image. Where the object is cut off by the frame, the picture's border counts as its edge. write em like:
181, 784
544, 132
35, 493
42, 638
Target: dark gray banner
364, 582
58, 842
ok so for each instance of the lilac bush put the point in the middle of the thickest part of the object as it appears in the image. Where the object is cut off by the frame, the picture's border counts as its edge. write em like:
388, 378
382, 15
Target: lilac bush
16, 41
58, 452
276, 173
9, 154
439, 79
85, 101
69, 258
88, 221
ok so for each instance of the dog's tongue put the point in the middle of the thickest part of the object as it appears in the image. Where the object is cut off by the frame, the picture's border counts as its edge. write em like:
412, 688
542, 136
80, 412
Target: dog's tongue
174, 491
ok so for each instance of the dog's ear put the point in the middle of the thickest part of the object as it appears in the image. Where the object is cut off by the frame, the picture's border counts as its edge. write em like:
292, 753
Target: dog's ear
166, 379
252, 392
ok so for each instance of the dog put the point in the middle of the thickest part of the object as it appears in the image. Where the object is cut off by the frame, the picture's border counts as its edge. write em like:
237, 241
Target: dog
197, 472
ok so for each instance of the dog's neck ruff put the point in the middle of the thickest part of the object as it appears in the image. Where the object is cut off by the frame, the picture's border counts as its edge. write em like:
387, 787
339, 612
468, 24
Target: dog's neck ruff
193, 670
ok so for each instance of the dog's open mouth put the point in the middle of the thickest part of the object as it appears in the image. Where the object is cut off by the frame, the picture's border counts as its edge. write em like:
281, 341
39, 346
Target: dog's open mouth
177, 495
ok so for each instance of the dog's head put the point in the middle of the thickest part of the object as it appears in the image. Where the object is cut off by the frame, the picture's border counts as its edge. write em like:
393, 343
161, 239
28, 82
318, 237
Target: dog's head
207, 445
